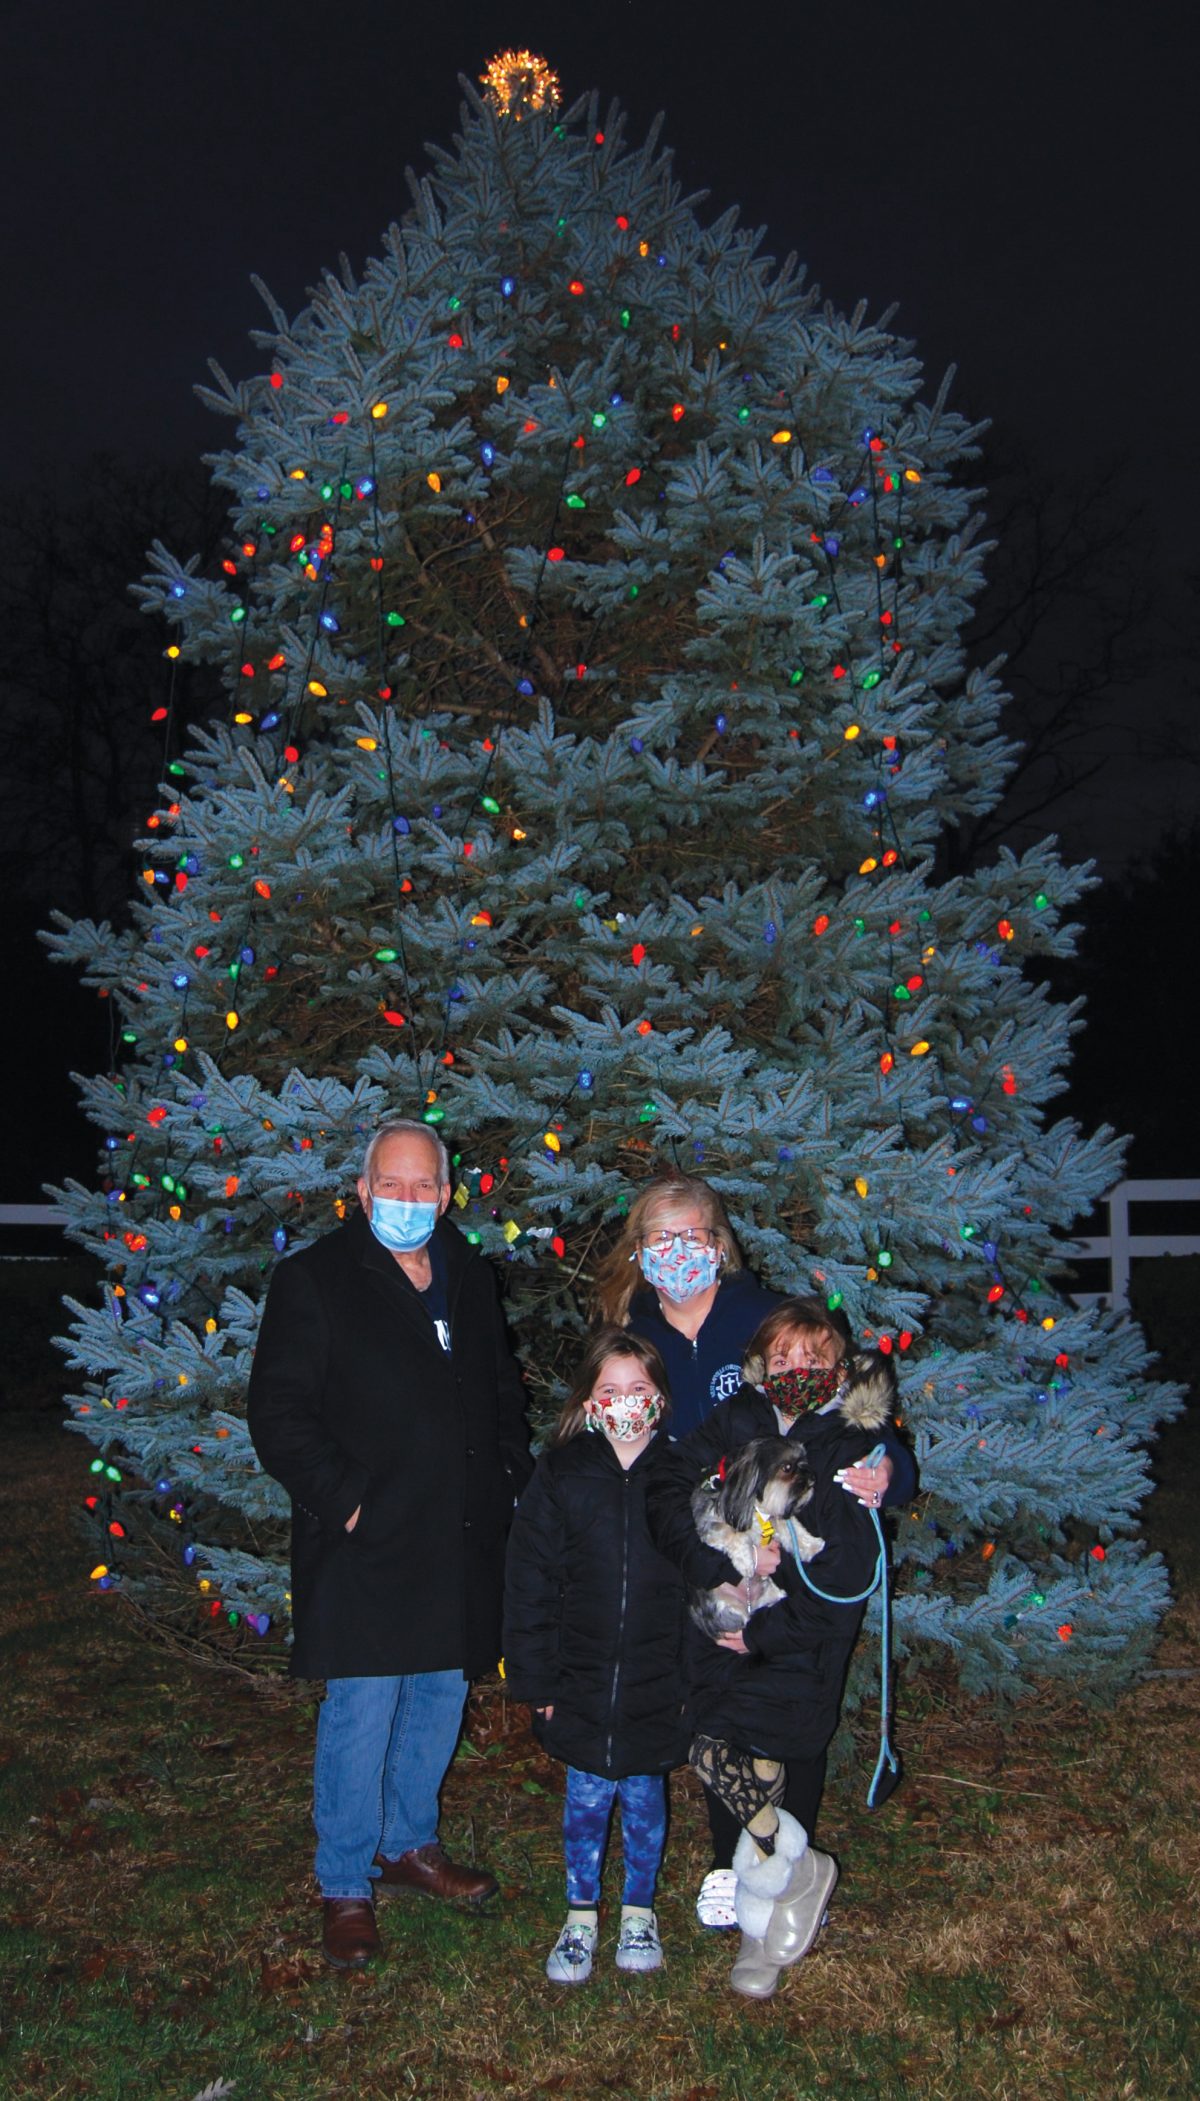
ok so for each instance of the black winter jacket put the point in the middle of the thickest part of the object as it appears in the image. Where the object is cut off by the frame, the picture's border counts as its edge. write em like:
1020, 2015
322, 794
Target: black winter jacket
593, 1615
353, 1401
781, 1700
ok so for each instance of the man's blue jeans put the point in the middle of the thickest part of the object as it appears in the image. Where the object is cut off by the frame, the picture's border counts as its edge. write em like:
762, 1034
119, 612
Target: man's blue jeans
383, 1746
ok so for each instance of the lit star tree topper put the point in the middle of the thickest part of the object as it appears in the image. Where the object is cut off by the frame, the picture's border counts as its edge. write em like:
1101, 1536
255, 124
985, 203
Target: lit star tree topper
520, 84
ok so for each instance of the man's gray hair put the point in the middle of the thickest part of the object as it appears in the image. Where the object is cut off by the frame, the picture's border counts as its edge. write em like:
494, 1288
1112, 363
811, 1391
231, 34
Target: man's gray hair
405, 1127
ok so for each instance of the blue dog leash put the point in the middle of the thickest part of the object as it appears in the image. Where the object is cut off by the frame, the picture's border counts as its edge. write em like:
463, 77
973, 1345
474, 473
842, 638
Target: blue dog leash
887, 1760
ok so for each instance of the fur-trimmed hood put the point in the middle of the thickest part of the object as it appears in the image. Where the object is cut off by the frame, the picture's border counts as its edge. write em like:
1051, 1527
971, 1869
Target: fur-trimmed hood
868, 1399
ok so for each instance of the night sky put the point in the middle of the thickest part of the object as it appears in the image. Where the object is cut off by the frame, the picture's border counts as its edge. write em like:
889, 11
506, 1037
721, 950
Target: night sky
1013, 179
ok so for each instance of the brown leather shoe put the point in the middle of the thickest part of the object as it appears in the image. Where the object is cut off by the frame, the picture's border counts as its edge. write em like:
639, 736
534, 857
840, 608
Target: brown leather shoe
428, 1870
349, 1937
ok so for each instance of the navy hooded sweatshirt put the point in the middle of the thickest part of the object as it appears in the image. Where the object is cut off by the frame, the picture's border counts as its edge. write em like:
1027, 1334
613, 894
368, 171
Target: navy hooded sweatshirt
704, 1372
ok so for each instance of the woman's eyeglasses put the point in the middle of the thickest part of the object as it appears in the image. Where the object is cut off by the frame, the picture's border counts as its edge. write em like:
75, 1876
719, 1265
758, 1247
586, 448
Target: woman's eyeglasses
691, 1237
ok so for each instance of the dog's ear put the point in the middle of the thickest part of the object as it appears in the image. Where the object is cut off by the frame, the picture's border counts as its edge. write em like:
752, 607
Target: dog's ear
741, 1488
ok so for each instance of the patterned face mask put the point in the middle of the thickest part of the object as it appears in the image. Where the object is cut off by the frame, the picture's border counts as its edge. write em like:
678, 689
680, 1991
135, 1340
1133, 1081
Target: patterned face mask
678, 1268
625, 1416
798, 1392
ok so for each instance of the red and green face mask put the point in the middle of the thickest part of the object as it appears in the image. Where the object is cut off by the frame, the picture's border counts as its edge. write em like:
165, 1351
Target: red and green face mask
798, 1392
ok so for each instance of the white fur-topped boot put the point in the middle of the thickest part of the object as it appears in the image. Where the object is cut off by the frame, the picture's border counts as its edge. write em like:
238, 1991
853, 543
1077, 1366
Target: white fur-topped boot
799, 1910
760, 1885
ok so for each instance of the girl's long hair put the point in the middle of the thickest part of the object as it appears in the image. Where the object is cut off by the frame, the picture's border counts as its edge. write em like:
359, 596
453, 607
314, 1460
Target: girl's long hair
608, 1341
802, 1316
618, 1275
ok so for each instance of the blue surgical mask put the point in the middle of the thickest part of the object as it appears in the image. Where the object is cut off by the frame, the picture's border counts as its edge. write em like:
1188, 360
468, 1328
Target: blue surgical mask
401, 1227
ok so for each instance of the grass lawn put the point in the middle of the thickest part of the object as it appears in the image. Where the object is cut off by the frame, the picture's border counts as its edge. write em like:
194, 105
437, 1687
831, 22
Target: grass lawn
1018, 1921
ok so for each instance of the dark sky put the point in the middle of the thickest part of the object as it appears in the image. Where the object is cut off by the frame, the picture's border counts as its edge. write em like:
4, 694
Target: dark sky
1014, 178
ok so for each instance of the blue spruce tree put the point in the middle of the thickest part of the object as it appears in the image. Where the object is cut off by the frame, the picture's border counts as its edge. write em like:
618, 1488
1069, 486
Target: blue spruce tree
589, 701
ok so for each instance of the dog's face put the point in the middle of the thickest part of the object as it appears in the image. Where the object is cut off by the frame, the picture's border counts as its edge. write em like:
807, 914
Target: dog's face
771, 1474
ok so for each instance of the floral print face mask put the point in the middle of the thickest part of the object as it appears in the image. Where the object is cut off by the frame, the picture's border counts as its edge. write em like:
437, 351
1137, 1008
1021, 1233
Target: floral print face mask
798, 1392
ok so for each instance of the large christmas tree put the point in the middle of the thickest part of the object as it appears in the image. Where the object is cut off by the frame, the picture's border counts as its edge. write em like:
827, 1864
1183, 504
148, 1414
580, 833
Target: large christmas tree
594, 701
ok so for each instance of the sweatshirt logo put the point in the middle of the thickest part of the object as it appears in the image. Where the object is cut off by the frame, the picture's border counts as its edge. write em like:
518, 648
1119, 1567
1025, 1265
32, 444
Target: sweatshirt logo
725, 1382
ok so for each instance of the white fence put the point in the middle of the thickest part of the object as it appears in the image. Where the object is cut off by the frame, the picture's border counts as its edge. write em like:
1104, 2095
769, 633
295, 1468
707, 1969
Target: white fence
1119, 1246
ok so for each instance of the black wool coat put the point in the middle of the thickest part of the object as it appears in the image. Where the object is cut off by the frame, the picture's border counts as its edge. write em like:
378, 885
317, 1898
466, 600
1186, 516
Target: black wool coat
783, 1699
353, 1402
593, 1616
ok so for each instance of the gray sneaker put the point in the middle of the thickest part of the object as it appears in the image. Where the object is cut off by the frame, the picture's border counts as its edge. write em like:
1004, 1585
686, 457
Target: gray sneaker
570, 1959
639, 1947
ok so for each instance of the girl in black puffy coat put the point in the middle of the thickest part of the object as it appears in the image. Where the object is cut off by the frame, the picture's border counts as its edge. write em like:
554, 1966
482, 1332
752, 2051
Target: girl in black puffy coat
593, 1627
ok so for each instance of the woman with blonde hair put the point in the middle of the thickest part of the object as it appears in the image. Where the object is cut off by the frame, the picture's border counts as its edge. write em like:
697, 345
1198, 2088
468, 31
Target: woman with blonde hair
676, 1277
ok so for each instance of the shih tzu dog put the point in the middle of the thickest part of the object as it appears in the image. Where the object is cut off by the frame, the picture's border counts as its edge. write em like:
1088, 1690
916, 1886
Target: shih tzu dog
736, 1510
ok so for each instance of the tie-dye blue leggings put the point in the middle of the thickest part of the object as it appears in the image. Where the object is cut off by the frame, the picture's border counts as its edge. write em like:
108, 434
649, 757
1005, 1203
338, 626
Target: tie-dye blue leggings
587, 1813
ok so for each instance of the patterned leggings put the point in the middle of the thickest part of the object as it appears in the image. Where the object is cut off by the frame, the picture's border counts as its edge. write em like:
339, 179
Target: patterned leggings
587, 1813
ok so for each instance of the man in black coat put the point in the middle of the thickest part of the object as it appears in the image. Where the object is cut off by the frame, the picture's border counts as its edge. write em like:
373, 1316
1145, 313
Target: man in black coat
385, 1399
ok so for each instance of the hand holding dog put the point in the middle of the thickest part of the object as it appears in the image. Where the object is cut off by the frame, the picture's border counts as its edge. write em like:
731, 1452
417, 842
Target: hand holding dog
766, 1560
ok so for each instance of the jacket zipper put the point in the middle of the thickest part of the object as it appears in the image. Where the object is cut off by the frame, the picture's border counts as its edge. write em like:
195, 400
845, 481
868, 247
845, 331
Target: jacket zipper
616, 1677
